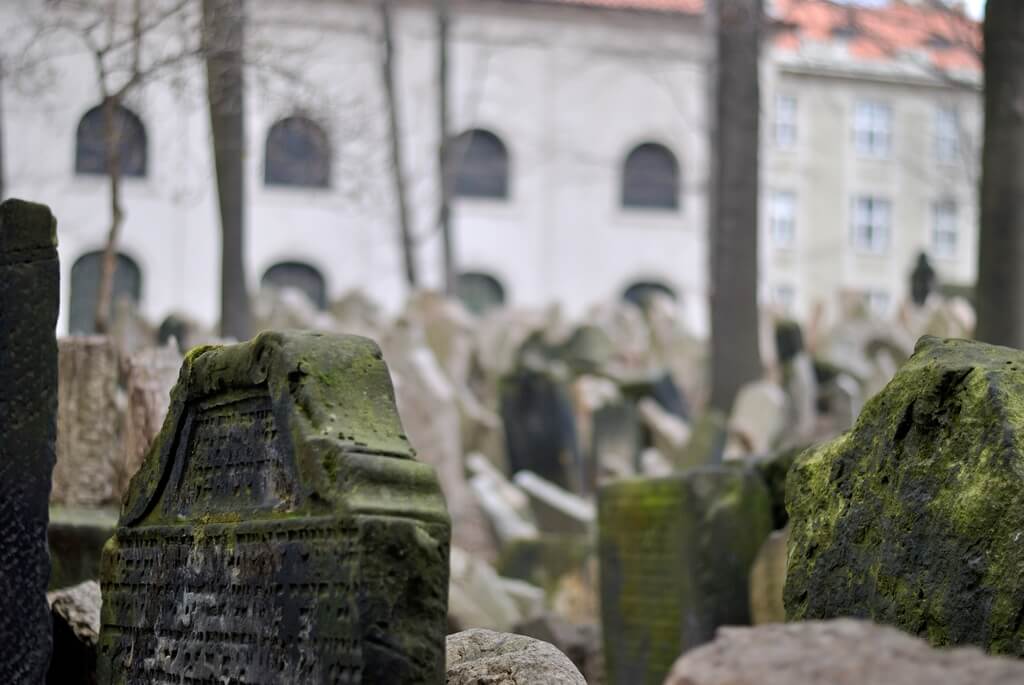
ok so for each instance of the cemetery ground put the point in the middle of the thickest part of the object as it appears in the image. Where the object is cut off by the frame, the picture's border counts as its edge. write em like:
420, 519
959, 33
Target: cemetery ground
510, 497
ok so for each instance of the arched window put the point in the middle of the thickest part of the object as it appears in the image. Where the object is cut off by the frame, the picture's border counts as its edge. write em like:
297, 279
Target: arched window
480, 292
650, 178
640, 293
481, 161
85, 281
91, 142
298, 154
298, 276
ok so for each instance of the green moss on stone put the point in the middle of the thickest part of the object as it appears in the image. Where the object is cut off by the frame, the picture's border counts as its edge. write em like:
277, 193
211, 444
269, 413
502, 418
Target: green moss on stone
915, 517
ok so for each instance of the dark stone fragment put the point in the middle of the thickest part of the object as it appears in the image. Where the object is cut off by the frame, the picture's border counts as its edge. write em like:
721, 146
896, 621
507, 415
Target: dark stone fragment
29, 298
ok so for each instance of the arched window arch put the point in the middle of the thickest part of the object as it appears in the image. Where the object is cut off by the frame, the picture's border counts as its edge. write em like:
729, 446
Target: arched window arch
481, 163
480, 292
641, 292
300, 276
91, 142
85, 281
650, 178
298, 154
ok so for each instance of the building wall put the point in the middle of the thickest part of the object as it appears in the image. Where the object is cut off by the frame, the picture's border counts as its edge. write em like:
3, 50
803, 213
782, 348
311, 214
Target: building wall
569, 90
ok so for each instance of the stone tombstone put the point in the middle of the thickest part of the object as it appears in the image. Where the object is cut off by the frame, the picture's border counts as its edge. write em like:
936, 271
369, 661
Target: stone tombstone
675, 556
915, 517
29, 298
279, 529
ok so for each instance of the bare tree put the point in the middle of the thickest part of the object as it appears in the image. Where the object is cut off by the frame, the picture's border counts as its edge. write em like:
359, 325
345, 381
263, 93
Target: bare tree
1001, 244
223, 33
445, 154
120, 37
395, 135
735, 357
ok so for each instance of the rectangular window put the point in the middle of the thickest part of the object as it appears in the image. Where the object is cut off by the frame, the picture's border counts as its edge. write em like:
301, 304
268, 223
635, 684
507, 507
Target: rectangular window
878, 302
947, 134
784, 124
944, 233
782, 219
784, 297
872, 128
870, 226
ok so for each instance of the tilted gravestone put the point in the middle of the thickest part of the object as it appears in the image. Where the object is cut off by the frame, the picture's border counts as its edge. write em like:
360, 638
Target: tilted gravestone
675, 555
29, 298
279, 530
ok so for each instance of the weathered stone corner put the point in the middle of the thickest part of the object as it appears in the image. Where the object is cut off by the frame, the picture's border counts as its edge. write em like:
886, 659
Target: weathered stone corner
915, 517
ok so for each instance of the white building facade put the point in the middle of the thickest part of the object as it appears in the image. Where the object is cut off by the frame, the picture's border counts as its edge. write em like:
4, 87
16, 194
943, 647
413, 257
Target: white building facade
590, 162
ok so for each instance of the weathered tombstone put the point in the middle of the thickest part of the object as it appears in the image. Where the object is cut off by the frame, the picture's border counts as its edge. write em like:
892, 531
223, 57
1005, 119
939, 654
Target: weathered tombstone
539, 428
29, 298
279, 530
915, 517
89, 457
675, 556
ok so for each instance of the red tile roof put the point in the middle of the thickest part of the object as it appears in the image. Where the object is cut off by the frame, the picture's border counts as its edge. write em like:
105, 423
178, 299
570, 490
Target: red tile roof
947, 37
950, 39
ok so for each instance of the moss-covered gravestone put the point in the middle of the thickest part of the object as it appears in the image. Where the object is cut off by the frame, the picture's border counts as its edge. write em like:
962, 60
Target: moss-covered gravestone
279, 530
29, 297
916, 517
675, 556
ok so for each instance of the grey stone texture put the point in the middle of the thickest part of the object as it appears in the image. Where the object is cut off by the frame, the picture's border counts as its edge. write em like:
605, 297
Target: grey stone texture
29, 300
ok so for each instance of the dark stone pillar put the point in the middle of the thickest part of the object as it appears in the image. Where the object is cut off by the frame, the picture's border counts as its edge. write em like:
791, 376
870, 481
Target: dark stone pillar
29, 299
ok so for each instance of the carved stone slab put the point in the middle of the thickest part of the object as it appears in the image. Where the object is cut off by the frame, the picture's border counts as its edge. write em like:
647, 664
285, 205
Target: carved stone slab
29, 298
279, 530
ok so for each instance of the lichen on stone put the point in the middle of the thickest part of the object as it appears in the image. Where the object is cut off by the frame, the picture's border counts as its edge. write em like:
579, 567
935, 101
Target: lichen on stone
915, 517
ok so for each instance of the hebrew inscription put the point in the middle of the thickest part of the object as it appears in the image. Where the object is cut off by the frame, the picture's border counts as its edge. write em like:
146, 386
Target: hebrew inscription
244, 554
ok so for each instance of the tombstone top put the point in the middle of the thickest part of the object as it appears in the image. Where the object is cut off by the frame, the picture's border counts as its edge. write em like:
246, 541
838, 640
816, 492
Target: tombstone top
332, 406
26, 227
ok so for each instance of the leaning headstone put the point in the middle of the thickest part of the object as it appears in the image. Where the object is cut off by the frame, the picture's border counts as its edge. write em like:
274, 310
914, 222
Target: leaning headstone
706, 444
29, 297
279, 529
88, 467
758, 416
556, 510
915, 517
675, 556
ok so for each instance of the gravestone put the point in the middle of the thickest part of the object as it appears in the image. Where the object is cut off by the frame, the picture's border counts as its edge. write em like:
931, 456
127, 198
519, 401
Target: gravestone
279, 530
675, 557
29, 298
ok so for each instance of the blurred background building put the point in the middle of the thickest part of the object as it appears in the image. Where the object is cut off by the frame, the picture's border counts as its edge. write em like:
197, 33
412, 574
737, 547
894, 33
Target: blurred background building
582, 165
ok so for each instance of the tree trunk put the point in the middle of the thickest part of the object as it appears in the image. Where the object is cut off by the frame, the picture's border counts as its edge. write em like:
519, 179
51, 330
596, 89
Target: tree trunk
112, 143
224, 38
3, 189
1001, 246
733, 225
394, 131
444, 153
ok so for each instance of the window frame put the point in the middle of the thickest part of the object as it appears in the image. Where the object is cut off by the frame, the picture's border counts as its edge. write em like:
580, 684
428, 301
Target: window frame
628, 199
873, 129
500, 186
945, 210
788, 123
271, 162
82, 162
868, 235
781, 226
946, 138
